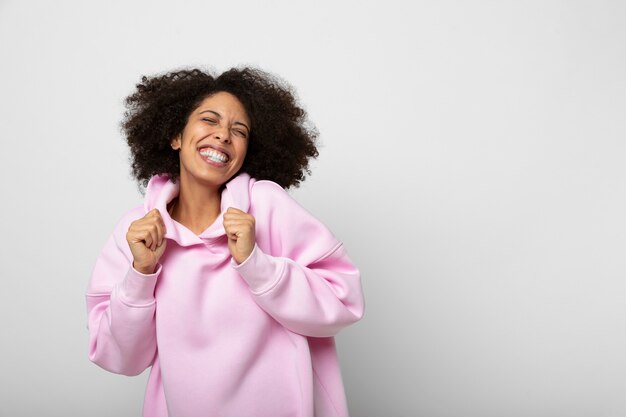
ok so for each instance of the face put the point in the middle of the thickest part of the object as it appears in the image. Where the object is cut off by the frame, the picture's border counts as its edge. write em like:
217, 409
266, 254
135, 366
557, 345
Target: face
214, 142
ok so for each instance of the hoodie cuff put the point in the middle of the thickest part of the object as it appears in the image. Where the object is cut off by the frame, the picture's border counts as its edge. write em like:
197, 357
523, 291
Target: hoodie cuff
137, 289
262, 272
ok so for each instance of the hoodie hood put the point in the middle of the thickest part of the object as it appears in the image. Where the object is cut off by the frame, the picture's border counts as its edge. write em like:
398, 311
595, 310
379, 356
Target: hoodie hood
161, 190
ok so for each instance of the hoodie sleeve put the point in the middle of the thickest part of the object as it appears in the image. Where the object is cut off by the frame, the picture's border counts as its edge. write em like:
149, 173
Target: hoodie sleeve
121, 307
298, 272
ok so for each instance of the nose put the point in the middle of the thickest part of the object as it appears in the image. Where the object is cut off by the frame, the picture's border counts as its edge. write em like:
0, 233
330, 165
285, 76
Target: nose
223, 134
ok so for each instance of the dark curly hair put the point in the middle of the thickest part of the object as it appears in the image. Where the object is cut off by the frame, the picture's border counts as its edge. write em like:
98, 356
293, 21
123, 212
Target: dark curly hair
281, 139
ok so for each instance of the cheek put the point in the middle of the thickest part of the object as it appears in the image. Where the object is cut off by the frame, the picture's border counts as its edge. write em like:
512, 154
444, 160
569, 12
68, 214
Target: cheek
245, 150
187, 155
242, 149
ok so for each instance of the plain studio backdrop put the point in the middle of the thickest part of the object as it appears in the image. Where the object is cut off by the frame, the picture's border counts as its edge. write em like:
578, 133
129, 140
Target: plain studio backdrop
472, 159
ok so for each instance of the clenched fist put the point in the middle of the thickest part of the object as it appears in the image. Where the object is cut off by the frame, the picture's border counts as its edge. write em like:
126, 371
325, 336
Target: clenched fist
239, 227
146, 238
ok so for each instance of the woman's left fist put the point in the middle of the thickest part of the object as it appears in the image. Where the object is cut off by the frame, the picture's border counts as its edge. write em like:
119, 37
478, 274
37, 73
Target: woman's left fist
239, 227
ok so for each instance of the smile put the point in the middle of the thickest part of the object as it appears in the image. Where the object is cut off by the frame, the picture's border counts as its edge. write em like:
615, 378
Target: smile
214, 155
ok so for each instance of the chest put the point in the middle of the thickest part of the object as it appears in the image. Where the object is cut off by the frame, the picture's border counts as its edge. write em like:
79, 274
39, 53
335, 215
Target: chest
199, 289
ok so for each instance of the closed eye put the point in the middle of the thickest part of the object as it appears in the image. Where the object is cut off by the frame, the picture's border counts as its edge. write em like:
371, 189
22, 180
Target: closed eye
241, 133
210, 121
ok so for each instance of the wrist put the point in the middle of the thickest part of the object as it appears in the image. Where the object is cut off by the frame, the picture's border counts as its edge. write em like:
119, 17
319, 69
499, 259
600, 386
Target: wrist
144, 269
241, 258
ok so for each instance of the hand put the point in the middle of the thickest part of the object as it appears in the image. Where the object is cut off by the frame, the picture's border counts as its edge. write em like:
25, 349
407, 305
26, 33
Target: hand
146, 238
239, 227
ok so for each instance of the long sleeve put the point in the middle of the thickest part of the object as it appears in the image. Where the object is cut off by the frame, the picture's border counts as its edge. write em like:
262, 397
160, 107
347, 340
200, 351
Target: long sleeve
298, 272
121, 308
315, 300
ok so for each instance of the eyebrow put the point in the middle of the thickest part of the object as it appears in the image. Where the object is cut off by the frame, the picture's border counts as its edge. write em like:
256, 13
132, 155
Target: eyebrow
220, 116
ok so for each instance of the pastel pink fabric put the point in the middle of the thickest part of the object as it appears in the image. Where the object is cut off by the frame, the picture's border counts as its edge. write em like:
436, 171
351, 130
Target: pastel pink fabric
222, 339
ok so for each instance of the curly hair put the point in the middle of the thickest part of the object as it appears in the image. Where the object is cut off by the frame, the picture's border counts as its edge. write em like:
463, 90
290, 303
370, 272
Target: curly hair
281, 138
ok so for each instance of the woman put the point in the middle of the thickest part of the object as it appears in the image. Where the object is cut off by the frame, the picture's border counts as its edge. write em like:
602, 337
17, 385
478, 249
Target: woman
220, 282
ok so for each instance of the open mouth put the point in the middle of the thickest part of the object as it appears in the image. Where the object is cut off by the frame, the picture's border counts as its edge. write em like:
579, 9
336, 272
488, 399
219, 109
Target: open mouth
214, 155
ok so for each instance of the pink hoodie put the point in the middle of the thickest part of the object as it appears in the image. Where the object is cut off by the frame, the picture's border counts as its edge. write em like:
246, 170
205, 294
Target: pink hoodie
228, 340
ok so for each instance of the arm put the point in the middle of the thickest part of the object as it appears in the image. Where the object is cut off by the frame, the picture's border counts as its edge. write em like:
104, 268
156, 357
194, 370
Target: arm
297, 270
317, 299
121, 307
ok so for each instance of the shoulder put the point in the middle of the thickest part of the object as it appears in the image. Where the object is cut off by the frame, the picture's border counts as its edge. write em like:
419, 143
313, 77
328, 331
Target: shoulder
267, 187
300, 233
268, 196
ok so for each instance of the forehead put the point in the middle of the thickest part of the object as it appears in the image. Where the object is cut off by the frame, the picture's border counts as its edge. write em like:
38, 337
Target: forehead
225, 104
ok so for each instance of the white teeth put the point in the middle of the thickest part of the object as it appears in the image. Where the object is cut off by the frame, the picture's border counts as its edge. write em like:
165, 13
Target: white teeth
214, 155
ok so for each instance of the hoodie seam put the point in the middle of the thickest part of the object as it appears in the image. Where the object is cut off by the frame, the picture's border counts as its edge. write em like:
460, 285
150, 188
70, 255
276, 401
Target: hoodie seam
283, 266
319, 381
121, 299
330, 252
136, 305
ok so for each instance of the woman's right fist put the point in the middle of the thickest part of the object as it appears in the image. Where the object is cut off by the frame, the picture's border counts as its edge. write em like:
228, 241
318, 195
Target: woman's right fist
146, 238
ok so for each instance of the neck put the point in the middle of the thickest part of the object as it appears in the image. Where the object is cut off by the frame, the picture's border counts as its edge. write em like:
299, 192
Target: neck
197, 205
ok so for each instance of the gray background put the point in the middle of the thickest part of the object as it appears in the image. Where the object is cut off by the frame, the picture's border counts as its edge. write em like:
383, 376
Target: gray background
472, 160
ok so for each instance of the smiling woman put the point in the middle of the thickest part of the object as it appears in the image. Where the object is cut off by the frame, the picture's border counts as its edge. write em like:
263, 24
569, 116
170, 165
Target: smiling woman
221, 283
212, 148
216, 134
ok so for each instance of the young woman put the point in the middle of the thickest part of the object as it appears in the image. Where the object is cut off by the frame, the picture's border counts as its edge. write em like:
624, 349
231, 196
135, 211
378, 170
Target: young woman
220, 282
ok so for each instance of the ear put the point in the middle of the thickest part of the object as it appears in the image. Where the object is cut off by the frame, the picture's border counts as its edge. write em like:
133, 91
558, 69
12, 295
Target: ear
176, 143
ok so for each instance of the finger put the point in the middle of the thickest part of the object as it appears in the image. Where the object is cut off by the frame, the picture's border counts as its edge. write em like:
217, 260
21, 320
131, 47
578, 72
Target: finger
160, 232
238, 230
239, 225
154, 233
142, 223
155, 220
241, 221
230, 215
137, 234
146, 237
160, 249
238, 216
234, 210
163, 243
148, 233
